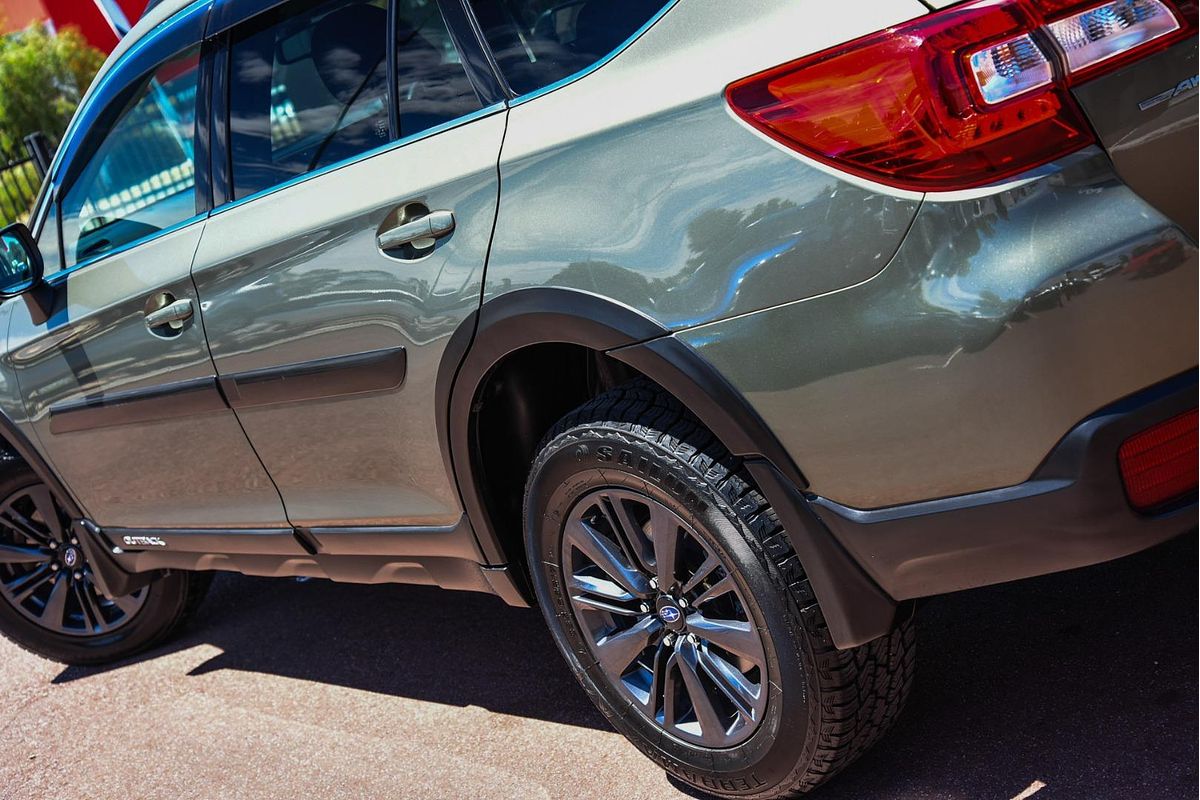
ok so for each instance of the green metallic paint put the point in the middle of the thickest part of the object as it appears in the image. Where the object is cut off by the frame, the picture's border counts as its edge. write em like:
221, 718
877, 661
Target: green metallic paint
1000, 323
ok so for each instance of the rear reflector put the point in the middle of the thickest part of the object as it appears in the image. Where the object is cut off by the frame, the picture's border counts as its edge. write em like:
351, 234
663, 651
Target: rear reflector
1160, 463
960, 98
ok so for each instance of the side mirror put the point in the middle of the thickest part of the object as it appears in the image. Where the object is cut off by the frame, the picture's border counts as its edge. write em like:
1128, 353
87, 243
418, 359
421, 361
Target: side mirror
21, 266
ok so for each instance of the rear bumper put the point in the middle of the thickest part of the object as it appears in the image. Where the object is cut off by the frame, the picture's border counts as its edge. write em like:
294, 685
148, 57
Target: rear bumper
1072, 512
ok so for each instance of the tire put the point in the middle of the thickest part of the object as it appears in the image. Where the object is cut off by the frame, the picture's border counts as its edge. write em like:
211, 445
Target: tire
612, 466
105, 630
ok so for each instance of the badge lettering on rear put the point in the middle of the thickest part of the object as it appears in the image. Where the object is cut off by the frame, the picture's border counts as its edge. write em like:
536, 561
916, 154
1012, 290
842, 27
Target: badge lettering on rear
1183, 87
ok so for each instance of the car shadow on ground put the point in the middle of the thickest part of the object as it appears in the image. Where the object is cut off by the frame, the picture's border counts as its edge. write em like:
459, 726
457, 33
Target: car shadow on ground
1084, 681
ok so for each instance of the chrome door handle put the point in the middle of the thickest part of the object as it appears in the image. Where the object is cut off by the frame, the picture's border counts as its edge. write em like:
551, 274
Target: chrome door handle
173, 315
420, 232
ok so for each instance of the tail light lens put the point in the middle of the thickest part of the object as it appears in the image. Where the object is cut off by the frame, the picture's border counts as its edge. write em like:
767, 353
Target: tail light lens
956, 99
1160, 463
1111, 31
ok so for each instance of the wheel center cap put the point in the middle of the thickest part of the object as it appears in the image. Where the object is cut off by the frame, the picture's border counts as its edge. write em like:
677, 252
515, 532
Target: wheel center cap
70, 557
670, 614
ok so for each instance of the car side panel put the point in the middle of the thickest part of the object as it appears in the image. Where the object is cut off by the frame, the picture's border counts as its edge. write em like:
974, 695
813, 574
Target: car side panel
296, 277
154, 463
636, 182
1003, 321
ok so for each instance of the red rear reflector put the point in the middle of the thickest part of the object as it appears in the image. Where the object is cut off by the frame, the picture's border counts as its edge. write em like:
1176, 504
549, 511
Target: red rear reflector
1160, 463
960, 98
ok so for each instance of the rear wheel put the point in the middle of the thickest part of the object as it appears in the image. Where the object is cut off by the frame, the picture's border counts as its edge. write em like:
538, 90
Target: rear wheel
49, 603
677, 599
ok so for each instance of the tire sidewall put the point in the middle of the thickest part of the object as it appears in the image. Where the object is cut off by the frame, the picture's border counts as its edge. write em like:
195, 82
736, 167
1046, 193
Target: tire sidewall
594, 456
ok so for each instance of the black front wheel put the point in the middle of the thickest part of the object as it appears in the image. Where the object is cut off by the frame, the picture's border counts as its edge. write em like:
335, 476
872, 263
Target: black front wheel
49, 603
676, 597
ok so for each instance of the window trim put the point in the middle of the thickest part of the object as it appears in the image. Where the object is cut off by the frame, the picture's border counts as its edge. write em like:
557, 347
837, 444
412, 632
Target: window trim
58, 277
488, 111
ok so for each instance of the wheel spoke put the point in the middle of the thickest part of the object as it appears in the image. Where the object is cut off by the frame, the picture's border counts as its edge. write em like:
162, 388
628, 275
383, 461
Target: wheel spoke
12, 554
609, 590
46, 507
29, 583
592, 593
128, 603
670, 690
633, 539
654, 699
617, 651
91, 608
664, 526
716, 590
711, 562
52, 614
732, 635
19, 522
732, 683
706, 713
609, 558
586, 603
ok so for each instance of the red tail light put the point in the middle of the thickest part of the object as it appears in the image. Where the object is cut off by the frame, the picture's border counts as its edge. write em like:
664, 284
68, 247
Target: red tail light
1160, 463
956, 99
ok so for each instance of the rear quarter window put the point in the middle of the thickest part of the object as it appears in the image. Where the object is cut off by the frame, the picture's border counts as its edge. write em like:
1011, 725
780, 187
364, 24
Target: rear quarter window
538, 42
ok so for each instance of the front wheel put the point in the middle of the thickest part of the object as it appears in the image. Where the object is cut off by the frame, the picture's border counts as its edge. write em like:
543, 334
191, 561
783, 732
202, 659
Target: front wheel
49, 603
676, 597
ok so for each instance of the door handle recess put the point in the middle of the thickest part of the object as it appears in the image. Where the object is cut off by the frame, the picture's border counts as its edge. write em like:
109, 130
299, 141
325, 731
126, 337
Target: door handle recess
173, 315
420, 232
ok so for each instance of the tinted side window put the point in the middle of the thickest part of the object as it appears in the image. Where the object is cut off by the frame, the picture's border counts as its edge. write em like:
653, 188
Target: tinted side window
308, 85
140, 172
432, 85
537, 42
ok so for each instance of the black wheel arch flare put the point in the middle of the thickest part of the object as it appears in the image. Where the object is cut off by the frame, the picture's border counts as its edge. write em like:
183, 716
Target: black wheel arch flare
856, 609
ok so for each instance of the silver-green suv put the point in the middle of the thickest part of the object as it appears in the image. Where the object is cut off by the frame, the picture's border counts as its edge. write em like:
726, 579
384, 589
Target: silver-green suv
720, 331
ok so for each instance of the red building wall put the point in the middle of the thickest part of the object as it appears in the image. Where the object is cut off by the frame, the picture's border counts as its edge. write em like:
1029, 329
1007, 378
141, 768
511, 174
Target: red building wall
18, 14
92, 17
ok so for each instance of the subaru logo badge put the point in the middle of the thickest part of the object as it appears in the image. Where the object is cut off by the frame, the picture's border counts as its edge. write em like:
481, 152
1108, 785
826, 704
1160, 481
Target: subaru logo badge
70, 557
669, 614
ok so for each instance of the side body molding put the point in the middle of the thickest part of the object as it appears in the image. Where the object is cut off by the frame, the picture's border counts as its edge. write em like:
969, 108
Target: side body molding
856, 609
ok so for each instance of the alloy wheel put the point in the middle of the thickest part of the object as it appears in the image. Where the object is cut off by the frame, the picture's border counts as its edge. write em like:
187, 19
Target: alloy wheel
44, 573
664, 617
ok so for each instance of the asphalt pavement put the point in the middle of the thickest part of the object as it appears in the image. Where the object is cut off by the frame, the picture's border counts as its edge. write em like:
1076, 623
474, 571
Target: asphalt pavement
1079, 685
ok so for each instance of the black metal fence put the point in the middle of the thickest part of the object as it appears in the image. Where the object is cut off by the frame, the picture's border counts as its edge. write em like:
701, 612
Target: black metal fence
19, 184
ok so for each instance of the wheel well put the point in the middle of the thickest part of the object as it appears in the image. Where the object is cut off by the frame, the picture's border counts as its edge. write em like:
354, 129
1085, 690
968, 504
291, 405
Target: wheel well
520, 401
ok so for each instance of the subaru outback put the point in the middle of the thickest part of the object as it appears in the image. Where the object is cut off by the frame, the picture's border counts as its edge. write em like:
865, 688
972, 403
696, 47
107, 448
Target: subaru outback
721, 332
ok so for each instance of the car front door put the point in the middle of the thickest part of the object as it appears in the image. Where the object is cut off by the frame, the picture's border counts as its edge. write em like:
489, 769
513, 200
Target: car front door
114, 369
360, 200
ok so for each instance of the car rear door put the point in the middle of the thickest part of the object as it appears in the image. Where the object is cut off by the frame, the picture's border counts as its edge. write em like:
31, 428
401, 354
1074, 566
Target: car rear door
118, 385
360, 191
